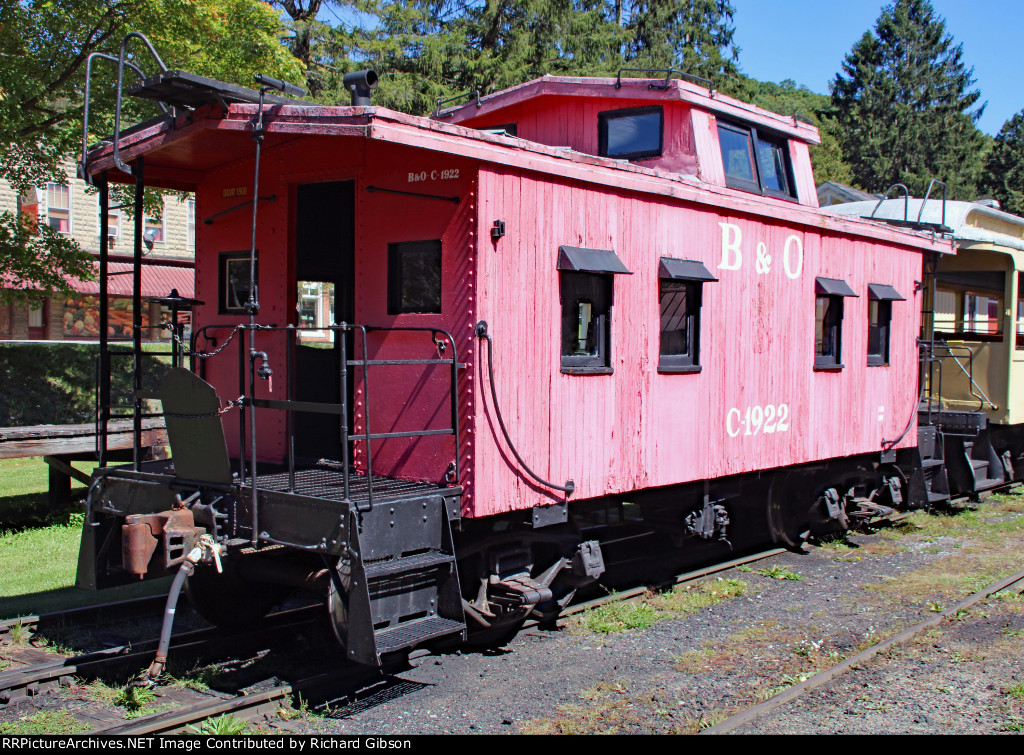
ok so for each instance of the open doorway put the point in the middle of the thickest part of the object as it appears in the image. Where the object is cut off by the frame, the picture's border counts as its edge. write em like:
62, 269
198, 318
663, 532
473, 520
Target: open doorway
324, 275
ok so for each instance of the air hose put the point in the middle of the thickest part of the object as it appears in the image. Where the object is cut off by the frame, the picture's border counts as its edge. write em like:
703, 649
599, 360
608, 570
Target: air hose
569, 487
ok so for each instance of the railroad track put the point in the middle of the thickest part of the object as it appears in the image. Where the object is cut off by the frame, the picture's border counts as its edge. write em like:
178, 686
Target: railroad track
256, 701
122, 609
1014, 581
126, 659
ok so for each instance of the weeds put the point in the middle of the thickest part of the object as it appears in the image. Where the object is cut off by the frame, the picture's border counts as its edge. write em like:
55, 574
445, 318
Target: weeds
692, 598
200, 678
778, 572
44, 722
1016, 691
19, 633
642, 614
223, 725
620, 617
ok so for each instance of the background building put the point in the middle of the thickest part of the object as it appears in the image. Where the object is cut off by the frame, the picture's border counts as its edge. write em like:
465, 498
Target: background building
168, 263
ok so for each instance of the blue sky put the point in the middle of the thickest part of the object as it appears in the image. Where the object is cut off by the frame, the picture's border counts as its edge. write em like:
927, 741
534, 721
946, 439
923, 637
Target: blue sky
806, 41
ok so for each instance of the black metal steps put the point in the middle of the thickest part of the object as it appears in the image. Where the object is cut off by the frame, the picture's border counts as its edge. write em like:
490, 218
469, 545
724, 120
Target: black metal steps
418, 562
415, 633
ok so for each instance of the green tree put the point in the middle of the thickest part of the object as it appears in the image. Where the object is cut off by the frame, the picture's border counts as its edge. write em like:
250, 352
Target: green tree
1004, 171
694, 36
44, 48
429, 49
904, 105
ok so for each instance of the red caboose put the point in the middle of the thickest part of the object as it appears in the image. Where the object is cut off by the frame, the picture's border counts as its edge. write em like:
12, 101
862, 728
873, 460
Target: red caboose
584, 321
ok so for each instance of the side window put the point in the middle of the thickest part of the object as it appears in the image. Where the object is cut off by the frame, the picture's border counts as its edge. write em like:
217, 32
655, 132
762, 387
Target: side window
58, 207
680, 284
755, 161
828, 322
586, 291
880, 299
414, 277
630, 134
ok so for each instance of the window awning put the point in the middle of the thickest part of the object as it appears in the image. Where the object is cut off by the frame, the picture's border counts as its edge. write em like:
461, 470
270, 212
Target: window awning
833, 287
882, 292
583, 260
157, 280
691, 270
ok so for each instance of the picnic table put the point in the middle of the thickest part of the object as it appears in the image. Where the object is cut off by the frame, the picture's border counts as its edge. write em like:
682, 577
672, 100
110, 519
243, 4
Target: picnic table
60, 445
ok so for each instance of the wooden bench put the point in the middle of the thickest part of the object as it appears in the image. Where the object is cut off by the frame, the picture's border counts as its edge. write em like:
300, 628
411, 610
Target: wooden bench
59, 445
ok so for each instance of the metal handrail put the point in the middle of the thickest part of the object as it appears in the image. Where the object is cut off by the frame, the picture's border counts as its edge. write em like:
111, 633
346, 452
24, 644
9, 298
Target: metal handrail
906, 201
120, 92
441, 339
969, 371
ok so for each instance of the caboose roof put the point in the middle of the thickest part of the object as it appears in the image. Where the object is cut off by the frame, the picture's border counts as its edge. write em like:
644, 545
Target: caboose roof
655, 90
972, 222
179, 153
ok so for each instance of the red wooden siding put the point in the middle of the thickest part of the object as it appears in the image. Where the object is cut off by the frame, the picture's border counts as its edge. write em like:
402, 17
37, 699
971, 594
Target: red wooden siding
638, 428
401, 398
573, 122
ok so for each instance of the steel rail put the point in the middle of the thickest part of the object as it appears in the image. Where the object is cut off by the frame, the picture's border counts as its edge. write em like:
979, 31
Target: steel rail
26, 680
791, 693
690, 576
90, 613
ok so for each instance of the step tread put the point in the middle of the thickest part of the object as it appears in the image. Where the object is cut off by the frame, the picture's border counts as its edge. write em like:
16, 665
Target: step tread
987, 483
936, 497
931, 463
407, 635
400, 565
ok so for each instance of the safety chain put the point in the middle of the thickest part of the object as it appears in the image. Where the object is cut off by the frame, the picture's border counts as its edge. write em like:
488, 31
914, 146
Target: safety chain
240, 402
198, 354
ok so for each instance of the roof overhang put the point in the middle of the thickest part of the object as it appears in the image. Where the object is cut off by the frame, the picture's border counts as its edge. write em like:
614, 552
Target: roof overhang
179, 153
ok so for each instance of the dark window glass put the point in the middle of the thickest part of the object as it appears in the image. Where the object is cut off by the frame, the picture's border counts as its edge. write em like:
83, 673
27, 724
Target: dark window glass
737, 153
586, 320
414, 277
630, 134
828, 319
755, 161
680, 318
879, 317
772, 159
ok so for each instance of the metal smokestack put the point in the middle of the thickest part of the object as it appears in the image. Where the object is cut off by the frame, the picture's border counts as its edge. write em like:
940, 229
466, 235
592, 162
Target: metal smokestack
361, 85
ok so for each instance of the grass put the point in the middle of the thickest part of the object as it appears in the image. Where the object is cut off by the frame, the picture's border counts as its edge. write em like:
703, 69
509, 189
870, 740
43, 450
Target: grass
39, 548
225, 725
1016, 691
44, 722
778, 572
653, 607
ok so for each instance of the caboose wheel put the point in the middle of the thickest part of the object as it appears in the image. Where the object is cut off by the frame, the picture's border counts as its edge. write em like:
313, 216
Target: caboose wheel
795, 512
229, 600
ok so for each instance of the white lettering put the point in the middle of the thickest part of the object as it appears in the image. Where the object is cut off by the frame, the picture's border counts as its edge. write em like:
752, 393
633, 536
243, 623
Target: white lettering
728, 423
757, 419
732, 257
791, 271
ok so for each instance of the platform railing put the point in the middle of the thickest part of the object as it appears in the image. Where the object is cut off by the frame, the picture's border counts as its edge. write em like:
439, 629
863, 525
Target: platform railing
249, 374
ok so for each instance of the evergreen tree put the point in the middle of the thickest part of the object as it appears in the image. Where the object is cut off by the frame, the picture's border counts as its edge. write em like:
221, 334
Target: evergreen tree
426, 49
904, 105
694, 36
1004, 173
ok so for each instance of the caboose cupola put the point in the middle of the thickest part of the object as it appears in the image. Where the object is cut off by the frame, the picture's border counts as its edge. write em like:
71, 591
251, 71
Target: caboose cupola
669, 126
